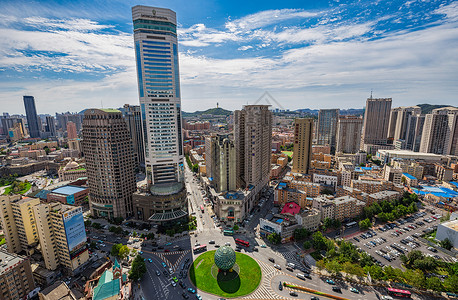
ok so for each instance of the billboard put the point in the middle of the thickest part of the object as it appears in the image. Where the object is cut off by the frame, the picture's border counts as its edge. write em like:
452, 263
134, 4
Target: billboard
74, 228
71, 199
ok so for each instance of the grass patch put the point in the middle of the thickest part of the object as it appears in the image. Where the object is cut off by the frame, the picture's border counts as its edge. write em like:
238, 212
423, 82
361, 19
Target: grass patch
244, 284
25, 187
2, 241
289, 153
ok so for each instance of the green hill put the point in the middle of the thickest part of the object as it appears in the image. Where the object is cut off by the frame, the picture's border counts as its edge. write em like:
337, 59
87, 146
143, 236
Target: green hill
428, 108
217, 111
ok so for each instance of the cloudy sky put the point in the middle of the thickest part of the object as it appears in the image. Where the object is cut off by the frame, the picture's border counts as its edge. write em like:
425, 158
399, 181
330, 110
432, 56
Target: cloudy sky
72, 54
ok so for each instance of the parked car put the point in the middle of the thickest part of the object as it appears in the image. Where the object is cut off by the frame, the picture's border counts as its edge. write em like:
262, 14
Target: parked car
330, 281
271, 259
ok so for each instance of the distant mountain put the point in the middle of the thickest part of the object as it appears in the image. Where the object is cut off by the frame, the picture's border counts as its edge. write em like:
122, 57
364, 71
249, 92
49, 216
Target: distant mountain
428, 108
350, 111
308, 111
217, 111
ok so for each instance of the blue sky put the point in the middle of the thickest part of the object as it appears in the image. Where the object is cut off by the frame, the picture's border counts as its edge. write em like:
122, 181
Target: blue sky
73, 55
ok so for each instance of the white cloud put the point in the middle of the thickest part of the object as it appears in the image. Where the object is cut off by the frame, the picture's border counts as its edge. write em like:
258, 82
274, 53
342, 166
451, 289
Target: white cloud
199, 35
70, 24
450, 10
267, 17
244, 48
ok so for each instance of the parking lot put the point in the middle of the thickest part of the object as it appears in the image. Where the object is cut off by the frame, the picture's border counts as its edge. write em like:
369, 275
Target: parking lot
386, 243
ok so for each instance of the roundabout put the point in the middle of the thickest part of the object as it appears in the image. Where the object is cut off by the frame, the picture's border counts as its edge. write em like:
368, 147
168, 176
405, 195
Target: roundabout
232, 274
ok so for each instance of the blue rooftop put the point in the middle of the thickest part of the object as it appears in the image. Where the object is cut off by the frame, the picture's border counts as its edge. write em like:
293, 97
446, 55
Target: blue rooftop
279, 221
68, 190
43, 194
436, 191
409, 176
454, 183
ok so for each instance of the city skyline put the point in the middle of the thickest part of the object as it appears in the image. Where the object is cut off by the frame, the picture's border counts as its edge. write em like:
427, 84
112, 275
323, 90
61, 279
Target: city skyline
231, 54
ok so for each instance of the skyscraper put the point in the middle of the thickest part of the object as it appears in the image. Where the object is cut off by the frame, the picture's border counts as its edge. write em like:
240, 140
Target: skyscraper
32, 118
440, 132
51, 126
71, 130
402, 126
327, 127
107, 147
132, 115
376, 120
156, 51
303, 129
223, 160
253, 143
349, 130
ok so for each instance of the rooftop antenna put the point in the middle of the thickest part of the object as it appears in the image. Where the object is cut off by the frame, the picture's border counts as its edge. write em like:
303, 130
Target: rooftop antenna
217, 105
371, 93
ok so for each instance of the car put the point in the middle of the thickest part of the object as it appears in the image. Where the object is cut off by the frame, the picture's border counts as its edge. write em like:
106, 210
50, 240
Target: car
356, 239
186, 296
314, 298
211, 242
294, 294
263, 246
277, 267
174, 284
175, 279
280, 286
356, 291
255, 249
290, 269
191, 290
166, 250
238, 249
150, 260
336, 289
182, 284
164, 265
168, 244
199, 297
330, 281
165, 273
271, 260
217, 246
170, 270
140, 252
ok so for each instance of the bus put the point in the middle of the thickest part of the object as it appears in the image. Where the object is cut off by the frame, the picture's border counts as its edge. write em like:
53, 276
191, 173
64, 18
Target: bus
228, 232
242, 243
350, 225
399, 293
202, 208
199, 249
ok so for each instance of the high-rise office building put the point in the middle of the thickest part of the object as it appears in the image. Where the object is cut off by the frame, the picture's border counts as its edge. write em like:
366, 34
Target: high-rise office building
63, 118
71, 130
107, 148
208, 157
327, 127
132, 115
156, 51
376, 120
253, 143
32, 117
402, 125
440, 132
223, 160
349, 130
18, 223
417, 123
303, 129
51, 126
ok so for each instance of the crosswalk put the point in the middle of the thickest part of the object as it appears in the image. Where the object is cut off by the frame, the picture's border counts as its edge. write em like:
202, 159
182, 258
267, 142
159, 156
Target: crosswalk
264, 291
164, 255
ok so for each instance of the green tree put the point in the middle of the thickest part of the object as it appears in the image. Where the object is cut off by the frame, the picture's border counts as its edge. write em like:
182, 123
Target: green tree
123, 252
451, 284
365, 224
138, 269
274, 238
333, 266
195, 168
415, 278
118, 220
236, 227
96, 225
301, 234
150, 236
307, 245
434, 283
446, 244
327, 222
321, 264
375, 271
134, 234
87, 223
115, 249
318, 241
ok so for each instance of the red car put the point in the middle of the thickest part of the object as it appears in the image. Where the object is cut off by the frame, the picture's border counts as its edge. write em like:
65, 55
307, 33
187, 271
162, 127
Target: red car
166, 250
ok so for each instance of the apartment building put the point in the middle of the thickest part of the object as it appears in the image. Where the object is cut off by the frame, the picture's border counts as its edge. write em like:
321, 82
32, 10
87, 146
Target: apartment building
303, 130
371, 186
16, 280
18, 223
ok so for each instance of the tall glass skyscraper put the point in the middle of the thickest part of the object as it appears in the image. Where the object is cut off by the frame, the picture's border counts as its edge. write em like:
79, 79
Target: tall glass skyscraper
156, 49
32, 118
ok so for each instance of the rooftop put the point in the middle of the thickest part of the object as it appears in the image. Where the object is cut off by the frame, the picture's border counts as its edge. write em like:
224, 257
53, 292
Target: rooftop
58, 290
436, 191
8, 260
409, 176
68, 190
451, 224
291, 208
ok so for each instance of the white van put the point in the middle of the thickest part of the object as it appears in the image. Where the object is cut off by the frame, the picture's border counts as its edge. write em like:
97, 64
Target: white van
300, 276
291, 265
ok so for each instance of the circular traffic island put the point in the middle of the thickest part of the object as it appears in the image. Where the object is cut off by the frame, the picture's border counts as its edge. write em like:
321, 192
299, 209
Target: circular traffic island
225, 273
